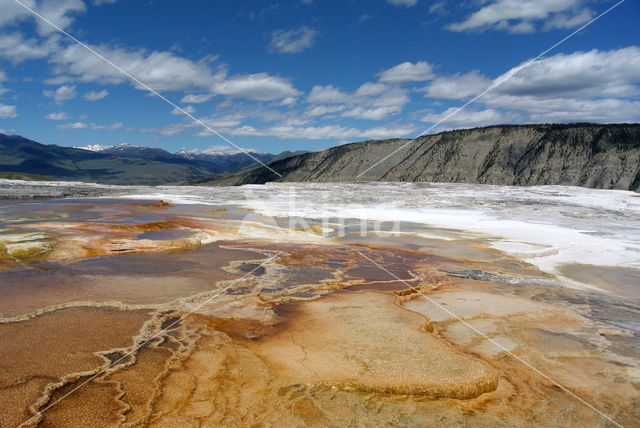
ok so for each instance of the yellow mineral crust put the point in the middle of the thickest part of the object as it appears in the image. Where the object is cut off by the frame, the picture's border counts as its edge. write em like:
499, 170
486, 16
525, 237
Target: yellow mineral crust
364, 341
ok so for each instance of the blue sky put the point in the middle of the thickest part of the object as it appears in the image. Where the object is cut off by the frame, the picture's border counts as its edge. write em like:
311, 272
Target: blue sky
309, 74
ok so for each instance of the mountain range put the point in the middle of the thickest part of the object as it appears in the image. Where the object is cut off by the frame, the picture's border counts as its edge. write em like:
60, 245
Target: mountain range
118, 164
582, 154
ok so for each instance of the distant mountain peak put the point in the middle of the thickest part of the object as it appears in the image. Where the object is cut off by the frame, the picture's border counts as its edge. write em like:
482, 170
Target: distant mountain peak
101, 148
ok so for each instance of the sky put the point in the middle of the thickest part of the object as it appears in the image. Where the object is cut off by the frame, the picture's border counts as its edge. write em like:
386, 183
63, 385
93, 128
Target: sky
308, 74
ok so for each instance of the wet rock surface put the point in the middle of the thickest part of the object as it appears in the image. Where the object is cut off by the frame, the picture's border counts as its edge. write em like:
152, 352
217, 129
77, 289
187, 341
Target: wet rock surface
293, 328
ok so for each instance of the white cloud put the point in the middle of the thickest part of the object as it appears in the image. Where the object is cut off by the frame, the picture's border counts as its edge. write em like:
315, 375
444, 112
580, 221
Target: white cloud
594, 73
8, 112
581, 86
164, 71
17, 49
74, 125
57, 116
326, 132
218, 123
196, 98
384, 132
60, 12
323, 109
101, 2
555, 110
12, 12
3, 77
458, 86
564, 21
293, 41
327, 95
377, 113
407, 72
188, 109
520, 16
468, 118
260, 86
93, 126
406, 3
438, 8
371, 89
294, 132
95, 96
64, 92
288, 101
371, 101
111, 127
220, 150
395, 97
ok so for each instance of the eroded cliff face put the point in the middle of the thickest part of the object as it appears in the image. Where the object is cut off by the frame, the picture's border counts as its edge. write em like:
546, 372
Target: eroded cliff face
589, 155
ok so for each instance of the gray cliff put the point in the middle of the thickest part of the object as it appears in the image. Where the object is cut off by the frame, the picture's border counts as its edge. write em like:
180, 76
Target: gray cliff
588, 155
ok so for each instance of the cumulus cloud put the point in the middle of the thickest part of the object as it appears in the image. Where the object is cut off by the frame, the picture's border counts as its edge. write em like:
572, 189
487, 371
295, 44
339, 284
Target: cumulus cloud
196, 98
582, 86
394, 97
220, 150
59, 12
63, 93
95, 96
406, 3
326, 132
371, 101
92, 126
57, 116
457, 86
594, 73
564, 21
8, 112
388, 131
292, 41
520, 16
259, 86
165, 71
377, 113
188, 109
219, 123
321, 110
15, 48
407, 72
162, 71
570, 109
328, 94
74, 125
468, 118
371, 89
